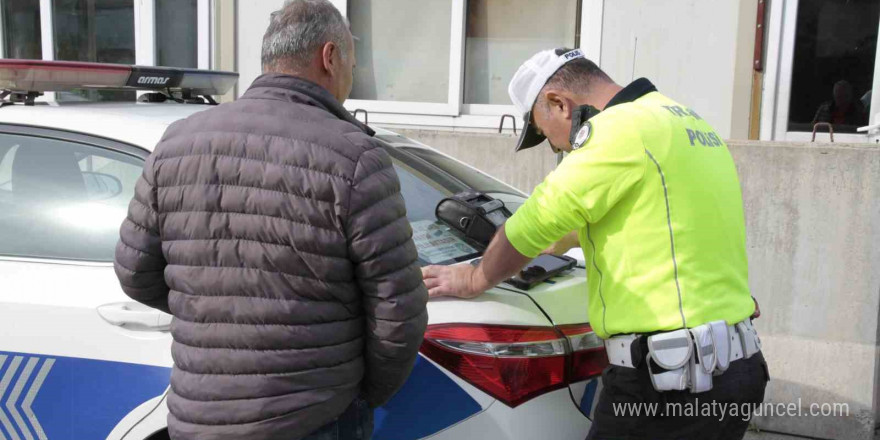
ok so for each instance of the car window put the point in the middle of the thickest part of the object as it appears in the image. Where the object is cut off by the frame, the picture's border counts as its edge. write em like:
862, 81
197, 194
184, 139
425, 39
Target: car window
435, 242
61, 199
469, 176
423, 185
6, 153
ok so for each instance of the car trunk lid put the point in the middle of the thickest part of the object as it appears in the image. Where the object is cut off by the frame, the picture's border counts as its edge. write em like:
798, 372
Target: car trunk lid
563, 299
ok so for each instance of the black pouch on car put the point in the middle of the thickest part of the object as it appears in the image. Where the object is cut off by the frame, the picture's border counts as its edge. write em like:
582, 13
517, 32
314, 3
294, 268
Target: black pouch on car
475, 214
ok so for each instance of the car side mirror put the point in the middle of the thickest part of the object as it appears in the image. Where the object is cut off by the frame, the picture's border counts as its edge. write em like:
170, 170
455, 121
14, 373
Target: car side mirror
100, 186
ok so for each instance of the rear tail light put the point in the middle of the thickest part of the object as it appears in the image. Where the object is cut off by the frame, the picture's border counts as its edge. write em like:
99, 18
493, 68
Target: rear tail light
588, 357
515, 363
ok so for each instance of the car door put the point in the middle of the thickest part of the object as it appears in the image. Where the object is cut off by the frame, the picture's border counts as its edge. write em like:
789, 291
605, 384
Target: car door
76, 355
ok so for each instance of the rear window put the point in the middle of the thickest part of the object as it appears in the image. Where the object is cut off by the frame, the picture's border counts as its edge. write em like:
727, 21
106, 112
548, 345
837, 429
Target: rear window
436, 242
423, 185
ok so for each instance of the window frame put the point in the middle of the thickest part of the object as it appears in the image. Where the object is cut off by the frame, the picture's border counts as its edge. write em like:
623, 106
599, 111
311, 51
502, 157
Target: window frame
776, 96
144, 34
455, 113
590, 18
146, 49
77, 138
456, 77
3, 32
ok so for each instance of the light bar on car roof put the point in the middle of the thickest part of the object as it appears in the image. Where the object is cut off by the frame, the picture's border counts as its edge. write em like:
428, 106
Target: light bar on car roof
56, 76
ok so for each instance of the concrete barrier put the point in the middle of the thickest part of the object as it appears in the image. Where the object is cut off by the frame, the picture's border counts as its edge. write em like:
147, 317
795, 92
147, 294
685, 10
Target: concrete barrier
813, 223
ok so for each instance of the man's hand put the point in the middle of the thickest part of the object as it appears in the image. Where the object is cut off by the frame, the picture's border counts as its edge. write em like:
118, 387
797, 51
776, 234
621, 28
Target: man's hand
757, 313
500, 262
456, 280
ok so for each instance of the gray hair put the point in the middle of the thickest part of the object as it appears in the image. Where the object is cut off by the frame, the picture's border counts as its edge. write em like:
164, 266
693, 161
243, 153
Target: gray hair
300, 28
578, 75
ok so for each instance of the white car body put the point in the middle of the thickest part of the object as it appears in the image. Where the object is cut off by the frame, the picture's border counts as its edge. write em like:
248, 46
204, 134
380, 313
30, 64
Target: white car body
69, 361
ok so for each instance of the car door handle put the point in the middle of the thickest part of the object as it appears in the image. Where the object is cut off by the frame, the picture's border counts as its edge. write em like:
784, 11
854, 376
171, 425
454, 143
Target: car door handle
135, 316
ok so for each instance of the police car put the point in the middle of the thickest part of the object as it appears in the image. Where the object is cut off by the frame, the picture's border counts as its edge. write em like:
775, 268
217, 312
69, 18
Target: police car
80, 360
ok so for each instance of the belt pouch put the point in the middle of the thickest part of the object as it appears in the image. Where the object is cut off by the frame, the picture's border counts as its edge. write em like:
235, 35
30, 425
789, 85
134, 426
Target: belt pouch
702, 363
671, 352
667, 380
721, 341
749, 338
705, 347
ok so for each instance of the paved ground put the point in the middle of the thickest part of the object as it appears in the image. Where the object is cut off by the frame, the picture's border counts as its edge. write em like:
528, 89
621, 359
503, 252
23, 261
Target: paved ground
751, 435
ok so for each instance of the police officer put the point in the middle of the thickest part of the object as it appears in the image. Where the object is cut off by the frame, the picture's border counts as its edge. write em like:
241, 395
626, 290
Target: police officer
650, 192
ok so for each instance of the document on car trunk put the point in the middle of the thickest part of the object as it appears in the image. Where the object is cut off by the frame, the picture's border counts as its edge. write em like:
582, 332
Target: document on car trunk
437, 243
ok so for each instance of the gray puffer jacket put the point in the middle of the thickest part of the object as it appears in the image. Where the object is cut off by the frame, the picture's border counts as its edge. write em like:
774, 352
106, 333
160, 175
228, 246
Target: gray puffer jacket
274, 231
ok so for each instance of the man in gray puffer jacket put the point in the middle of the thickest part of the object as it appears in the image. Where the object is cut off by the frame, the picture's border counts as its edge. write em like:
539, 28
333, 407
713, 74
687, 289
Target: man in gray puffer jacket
274, 231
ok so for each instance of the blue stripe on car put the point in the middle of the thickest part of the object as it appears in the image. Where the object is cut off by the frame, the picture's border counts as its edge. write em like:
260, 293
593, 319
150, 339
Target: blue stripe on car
428, 402
586, 404
72, 398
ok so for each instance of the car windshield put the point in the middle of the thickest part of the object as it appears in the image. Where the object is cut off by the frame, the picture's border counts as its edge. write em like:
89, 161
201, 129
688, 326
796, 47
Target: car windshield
423, 185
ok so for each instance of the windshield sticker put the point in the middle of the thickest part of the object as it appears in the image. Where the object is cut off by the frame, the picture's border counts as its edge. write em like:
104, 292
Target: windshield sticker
436, 243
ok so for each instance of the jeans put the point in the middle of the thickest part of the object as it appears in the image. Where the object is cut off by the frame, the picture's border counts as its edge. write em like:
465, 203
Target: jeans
356, 423
742, 385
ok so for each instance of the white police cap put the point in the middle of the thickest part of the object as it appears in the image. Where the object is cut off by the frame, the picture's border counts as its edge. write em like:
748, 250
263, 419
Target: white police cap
528, 81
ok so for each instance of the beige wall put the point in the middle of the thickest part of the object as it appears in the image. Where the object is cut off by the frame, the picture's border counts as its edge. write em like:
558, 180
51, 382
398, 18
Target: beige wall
252, 19
224, 54
743, 69
696, 52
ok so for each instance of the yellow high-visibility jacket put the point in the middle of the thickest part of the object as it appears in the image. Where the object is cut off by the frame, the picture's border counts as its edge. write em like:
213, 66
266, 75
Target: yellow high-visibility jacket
654, 195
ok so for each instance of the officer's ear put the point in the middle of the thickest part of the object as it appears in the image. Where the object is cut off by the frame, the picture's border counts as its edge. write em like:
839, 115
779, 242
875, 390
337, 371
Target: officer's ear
560, 106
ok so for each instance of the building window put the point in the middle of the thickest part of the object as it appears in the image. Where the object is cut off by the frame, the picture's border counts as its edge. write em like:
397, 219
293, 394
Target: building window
94, 30
501, 34
397, 38
448, 62
835, 47
21, 29
97, 31
177, 33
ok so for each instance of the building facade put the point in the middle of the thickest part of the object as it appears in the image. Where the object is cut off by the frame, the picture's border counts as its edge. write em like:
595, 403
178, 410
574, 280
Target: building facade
437, 71
755, 68
759, 69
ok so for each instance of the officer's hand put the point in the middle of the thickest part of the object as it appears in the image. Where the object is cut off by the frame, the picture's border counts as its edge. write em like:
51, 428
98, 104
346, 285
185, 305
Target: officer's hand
456, 280
564, 244
757, 313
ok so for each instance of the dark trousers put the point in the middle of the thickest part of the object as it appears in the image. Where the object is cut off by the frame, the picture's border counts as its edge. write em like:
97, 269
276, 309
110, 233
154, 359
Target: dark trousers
630, 409
356, 423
